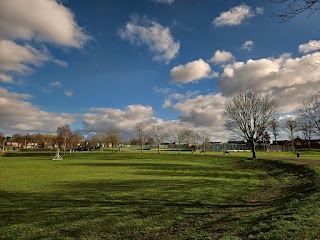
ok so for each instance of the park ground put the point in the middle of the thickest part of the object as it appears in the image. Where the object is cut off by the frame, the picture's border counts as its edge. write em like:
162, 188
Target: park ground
94, 195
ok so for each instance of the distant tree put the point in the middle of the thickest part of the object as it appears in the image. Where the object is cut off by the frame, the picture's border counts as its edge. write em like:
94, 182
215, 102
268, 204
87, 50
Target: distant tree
73, 140
99, 139
141, 133
18, 138
179, 133
275, 128
248, 112
310, 112
63, 134
134, 141
307, 130
159, 134
291, 127
204, 140
50, 140
295, 7
113, 137
38, 139
2, 140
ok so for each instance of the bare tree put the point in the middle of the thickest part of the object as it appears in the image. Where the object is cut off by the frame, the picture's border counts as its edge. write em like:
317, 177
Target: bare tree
275, 128
2, 140
73, 141
310, 111
18, 138
180, 133
291, 127
204, 140
141, 132
63, 134
307, 130
113, 137
249, 111
98, 139
159, 134
295, 7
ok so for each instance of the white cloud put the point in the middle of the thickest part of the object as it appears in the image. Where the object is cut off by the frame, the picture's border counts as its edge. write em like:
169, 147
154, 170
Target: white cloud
68, 93
44, 21
191, 72
235, 16
164, 1
259, 10
289, 79
17, 115
222, 57
55, 84
100, 119
204, 112
14, 58
6, 78
248, 45
309, 47
153, 35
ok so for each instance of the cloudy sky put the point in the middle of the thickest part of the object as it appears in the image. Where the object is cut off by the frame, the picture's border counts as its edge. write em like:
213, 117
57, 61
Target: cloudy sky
96, 64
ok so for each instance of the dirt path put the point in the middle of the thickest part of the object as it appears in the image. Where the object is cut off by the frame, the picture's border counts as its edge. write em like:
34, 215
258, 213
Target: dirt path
301, 160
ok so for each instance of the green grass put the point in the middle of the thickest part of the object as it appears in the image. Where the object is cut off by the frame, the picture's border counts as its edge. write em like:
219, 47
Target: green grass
150, 196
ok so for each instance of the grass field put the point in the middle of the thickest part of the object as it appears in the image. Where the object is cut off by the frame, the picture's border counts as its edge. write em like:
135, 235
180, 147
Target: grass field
150, 196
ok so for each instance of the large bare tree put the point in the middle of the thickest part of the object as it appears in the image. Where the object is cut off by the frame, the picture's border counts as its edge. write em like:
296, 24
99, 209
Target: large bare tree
291, 127
113, 137
310, 112
249, 111
2, 140
141, 132
275, 128
180, 134
63, 135
293, 8
159, 134
204, 140
306, 129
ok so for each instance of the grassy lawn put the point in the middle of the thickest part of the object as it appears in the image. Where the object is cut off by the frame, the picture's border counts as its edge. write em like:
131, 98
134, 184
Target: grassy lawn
150, 196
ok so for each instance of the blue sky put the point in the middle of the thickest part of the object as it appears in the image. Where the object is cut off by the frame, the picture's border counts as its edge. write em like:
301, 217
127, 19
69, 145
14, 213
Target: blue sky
96, 64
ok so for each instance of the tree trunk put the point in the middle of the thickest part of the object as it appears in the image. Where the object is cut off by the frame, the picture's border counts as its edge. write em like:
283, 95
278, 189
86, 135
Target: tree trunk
158, 148
253, 149
309, 144
141, 148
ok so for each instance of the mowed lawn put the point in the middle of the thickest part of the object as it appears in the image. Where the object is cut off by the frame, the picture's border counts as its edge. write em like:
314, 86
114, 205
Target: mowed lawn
150, 196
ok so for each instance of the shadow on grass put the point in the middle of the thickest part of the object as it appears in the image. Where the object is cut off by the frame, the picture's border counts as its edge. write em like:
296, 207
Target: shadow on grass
163, 209
30, 154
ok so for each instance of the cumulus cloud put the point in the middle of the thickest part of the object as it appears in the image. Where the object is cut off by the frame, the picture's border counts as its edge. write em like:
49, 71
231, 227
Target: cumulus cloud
309, 47
222, 57
235, 16
18, 115
44, 21
290, 79
68, 93
6, 78
55, 84
153, 35
15, 58
175, 97
248, 45
191, 72
204, 112
100, 119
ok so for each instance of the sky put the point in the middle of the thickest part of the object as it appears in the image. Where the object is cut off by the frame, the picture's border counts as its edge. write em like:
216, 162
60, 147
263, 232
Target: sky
100, 64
